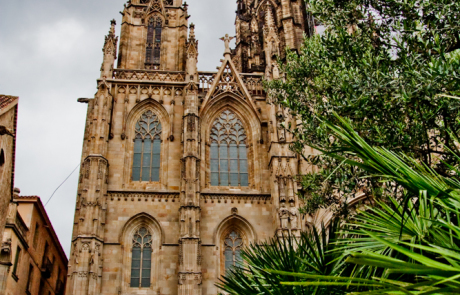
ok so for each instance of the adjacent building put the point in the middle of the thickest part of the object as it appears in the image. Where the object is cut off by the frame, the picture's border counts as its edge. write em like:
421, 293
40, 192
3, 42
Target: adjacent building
32, 260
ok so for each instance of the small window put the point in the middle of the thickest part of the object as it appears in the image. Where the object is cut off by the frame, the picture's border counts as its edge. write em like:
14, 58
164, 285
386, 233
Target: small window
30, 279
141, 264
153, 46
16, 261
233, 244
45, 252
36, 235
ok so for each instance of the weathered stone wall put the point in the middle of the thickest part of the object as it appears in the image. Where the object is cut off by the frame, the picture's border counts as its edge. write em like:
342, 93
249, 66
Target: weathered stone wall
7, 120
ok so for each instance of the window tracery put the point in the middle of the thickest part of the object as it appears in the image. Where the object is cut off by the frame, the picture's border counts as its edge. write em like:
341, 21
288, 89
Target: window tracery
141, 264
233, 243
229, 161
153, 47
147, 148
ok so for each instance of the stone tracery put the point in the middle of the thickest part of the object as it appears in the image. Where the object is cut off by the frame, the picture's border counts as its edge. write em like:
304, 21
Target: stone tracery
147, 148
229, 164
233, 243
141, 262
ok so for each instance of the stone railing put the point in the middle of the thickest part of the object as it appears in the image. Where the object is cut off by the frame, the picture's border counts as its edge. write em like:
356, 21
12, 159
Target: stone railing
205, 79
254, 82
149, 75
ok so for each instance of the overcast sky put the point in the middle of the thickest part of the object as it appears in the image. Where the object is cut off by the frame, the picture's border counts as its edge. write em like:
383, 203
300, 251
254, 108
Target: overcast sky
50, 55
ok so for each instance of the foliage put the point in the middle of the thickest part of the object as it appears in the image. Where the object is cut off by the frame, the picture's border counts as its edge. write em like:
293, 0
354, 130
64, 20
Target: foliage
393, 69
415, 243
405, 246
311, 253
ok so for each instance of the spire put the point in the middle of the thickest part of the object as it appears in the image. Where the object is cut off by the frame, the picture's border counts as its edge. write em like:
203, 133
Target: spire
269, 19
192, 56
110, 52
192, 33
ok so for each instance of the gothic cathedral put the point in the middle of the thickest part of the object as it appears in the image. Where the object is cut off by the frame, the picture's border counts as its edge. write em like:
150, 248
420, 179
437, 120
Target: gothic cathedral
182, 168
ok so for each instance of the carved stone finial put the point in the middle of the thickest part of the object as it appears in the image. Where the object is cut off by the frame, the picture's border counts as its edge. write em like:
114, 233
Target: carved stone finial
16, 192
192, 32
113, 23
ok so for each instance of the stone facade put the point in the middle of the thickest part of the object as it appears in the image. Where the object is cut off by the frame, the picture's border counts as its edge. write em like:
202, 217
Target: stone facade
181, 167
8, 115
32, 259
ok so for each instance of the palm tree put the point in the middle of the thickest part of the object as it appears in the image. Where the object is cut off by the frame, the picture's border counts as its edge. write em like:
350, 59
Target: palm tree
409, 246
256, 275
405, 245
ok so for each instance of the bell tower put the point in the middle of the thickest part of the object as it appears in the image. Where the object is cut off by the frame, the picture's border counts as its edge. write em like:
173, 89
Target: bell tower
153, 35
182, 168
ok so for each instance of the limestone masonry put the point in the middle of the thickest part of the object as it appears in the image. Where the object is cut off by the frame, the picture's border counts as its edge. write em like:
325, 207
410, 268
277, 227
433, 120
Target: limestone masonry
182, 168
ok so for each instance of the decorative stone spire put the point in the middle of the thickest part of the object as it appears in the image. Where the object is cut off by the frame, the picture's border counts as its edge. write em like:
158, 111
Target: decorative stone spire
192, 56
110, 52
269, 19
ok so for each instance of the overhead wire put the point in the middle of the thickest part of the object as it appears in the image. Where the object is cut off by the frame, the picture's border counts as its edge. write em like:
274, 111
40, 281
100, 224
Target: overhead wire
61, 184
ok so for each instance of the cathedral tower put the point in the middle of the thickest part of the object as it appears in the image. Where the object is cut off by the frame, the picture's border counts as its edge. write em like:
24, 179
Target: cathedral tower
182, 168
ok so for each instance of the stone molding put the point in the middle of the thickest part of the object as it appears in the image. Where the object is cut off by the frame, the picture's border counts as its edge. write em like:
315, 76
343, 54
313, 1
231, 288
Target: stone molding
143, 196
149, 75
236, 198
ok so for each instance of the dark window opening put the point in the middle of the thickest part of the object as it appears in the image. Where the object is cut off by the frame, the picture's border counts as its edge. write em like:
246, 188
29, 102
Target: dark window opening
153, 46
16, 261
2, 157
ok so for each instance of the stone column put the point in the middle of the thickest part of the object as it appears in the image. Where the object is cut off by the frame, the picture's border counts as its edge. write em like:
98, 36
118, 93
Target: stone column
190, 275
85, 263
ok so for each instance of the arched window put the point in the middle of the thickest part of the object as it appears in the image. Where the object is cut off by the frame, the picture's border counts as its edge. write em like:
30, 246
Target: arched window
152, 53
141, 264
147, 148
229, 161
233, 244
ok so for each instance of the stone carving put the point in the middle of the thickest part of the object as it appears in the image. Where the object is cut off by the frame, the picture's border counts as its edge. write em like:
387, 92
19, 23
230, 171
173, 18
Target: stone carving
284, 215
138, 196
232, 198
5, 252
149, 75
227, 40
227, 83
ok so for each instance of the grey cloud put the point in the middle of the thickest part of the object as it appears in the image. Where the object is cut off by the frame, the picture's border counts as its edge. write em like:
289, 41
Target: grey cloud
50, 54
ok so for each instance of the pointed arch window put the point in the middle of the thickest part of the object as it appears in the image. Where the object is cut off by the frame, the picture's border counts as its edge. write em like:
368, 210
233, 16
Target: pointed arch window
141, 265
147, 148
153, 47
233, 244
229, 161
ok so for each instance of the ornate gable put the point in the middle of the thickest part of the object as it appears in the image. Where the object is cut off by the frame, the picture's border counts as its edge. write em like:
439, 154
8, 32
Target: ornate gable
228, 80
154, 6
